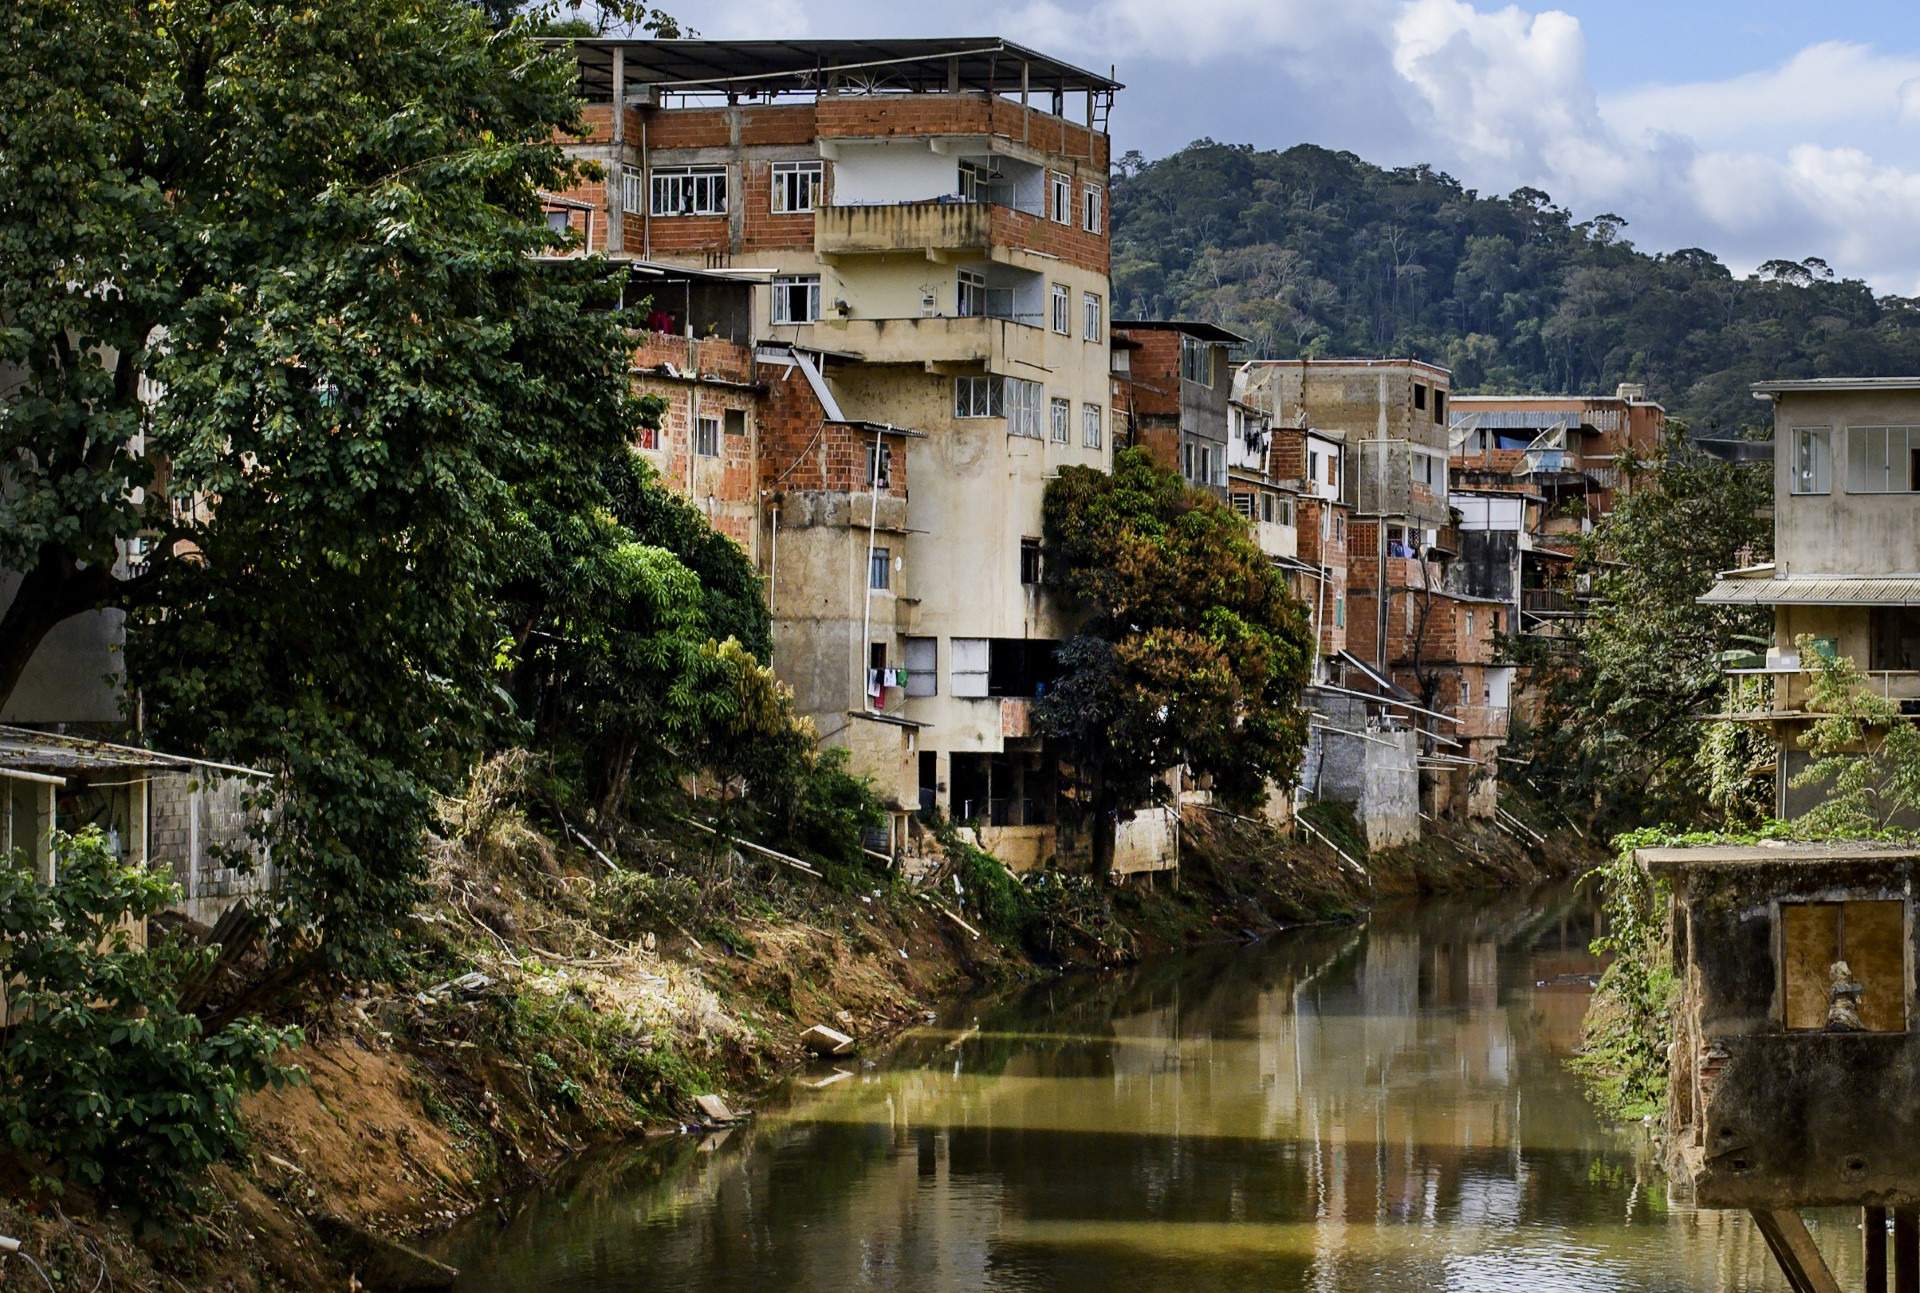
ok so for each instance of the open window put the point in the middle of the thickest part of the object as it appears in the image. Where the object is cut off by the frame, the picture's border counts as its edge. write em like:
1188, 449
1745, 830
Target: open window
1868, 937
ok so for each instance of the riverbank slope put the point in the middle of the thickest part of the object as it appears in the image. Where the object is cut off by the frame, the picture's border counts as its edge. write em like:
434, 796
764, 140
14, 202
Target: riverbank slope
564, 995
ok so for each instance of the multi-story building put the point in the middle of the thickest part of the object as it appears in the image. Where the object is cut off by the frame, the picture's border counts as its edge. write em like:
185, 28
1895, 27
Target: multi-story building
1545, 469
1179, 394
1846, 552
923, 225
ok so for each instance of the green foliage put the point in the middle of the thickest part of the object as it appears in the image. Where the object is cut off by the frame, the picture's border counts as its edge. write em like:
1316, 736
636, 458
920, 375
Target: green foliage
1865, 752
1191, 652
307, 234
991, 892
1314, 252
1629, 1022
1625, 690
105, 1084
1736, 758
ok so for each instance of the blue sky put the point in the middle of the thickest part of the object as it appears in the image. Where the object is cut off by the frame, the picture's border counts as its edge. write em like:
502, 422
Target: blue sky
1754, 130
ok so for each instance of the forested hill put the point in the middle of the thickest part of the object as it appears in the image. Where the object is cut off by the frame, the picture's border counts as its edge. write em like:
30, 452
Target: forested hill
1316, 252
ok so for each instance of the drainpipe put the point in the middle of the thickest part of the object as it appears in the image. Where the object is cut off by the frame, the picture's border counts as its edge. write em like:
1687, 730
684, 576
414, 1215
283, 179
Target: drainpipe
866, 616
1320, 612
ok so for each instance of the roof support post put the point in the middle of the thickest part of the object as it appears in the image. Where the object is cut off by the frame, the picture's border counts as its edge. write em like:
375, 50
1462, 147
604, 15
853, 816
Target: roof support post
1026, 118
617, 163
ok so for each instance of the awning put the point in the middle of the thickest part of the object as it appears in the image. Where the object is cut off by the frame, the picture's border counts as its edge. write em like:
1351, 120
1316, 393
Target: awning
1814, 590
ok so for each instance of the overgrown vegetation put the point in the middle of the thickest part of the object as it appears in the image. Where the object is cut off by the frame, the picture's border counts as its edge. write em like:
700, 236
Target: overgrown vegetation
1629, 1023
1619, 731
107, 1086
1315, 252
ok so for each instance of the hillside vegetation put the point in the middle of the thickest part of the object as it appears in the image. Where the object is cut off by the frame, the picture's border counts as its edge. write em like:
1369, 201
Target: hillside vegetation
1314, 252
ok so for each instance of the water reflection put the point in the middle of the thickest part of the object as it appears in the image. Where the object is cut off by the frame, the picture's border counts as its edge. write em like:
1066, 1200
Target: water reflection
1336, 1109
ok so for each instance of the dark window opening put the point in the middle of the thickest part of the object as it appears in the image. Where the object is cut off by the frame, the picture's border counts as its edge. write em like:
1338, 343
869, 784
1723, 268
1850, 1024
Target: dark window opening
1029, 561
1017, 788
736, 422
1419, 396
1020, 666
929, 779
1439, 406
1895, 640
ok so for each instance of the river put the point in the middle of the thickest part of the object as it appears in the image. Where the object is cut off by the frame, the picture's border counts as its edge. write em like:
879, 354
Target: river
1333, 1109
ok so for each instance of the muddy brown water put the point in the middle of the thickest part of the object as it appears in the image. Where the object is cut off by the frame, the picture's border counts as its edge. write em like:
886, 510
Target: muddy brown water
1338, 1108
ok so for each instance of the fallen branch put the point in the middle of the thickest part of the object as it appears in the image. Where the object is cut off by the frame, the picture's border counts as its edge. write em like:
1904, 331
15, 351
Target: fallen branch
784, 858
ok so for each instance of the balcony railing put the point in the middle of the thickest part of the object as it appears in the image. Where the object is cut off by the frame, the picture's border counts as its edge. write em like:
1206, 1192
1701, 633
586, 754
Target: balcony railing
1548, 601
903, 226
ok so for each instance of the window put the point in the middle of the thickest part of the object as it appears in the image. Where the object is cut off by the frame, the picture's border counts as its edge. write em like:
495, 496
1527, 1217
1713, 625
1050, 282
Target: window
978, 397
1333, 470
1313, 465
1339, 612
690, 190
1061, 323
647, 437
1092, 213
1029, 561
1340, 529
1186, 460
1812, 460
631, 186
1469, 626
559, 222
1893, 638
1089, 316
1057, 415
796, 186
880, 569
969, 667
1419, 396
923, 672
1196, 361
879, 465
1267, 509
1024, 400
796, 299
973, 179
973, 294
1429, 469
1439, 406
1880, 459
1869, 937
706, 437
1243, 504
736, 421
1091, 426
1062, 197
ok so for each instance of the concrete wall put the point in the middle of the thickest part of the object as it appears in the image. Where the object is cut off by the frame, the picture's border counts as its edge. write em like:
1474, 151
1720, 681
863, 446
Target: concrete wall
1841, 532
200, 830
1378, 774
1147, 841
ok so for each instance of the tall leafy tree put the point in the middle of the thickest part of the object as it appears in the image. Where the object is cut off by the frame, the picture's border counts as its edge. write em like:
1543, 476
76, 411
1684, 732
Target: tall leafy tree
270, 301
1625, 693
1190, 653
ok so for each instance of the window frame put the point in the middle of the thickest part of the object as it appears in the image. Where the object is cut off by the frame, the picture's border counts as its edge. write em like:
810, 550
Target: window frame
1060, 196
1821, 473
1061, 309
962, 680
880, 568
1093, 426
781, 176
1196, 358
786, 284
983, 392
1060, 421
880, 458
966, 282
702, 439
1093, 317
1031, 562
633, 190
715, 178
1023, 402
1909, 445
1093, 208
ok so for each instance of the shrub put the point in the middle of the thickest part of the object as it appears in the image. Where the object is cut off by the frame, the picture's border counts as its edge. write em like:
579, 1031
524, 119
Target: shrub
104, 1082
1629, 1024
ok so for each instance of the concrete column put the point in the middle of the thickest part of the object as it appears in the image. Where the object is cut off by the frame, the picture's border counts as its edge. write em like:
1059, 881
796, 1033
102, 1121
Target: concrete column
617, 157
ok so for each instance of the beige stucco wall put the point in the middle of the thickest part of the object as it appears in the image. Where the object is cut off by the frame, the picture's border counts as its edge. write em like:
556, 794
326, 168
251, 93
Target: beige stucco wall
1839, 532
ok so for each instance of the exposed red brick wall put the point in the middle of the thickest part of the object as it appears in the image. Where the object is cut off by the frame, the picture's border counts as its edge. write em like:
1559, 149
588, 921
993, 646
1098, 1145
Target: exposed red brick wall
1159, 439
729, 500
799, 451
1155, 371
711, 356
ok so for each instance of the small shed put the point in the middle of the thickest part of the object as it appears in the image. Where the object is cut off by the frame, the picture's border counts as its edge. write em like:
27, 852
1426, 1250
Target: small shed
51, 782
1795, 1066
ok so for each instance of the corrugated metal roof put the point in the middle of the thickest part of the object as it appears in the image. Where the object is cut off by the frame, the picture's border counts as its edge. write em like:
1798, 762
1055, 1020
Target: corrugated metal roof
1805, 590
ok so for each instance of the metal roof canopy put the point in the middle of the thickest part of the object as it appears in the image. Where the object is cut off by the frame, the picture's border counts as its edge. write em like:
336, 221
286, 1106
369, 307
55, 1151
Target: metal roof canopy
1811, 590
1813, 385
1192, 327
27, 748
774, 67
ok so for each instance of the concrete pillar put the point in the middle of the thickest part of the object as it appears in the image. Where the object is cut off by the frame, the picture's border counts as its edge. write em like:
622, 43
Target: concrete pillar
617, 157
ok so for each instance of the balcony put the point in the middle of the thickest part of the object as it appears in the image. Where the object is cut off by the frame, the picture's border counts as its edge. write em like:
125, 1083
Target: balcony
934, 229
994, 343
1276, 540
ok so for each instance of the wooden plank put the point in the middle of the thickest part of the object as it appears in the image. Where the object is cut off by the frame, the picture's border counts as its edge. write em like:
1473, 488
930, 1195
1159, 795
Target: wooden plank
1799, 1257
1873, 1249
1906, 1251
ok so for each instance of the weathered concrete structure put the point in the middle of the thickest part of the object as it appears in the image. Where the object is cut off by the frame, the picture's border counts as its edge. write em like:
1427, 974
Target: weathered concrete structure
1795, 1060
1181, 384
922, 224
1846, 567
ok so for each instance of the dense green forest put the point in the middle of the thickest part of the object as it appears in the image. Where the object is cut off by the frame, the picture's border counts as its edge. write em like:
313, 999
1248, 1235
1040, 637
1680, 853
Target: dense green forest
1315, 252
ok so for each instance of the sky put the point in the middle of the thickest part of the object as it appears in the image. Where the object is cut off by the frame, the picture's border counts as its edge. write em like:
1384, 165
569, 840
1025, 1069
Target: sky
1755, 130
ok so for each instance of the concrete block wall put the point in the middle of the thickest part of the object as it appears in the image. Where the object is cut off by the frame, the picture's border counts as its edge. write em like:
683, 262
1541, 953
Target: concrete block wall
200, 830
1378, 776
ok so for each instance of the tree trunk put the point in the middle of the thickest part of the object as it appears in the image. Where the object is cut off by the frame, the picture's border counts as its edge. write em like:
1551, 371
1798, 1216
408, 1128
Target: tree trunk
1105, 822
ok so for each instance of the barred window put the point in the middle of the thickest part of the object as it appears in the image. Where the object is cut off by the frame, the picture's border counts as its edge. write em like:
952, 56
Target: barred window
1024, 400
1091, 426
978, 397
690, 190
1057, 421
706, 437
796, 186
